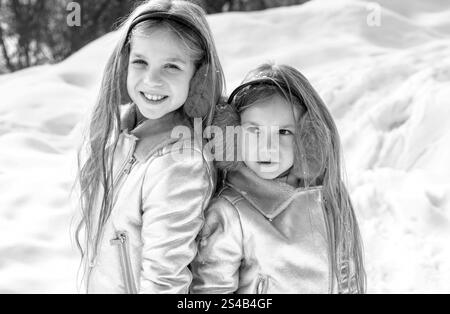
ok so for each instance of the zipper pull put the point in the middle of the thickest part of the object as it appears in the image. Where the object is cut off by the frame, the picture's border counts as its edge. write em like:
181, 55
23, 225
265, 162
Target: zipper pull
129, 165
121, 238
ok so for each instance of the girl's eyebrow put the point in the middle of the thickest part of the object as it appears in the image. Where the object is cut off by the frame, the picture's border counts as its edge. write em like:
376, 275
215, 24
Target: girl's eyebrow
281, 127
176, 59
137, 55
171, 59
250, 122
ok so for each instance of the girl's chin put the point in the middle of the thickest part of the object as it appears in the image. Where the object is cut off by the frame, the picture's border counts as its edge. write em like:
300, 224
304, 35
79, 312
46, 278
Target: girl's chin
152, 112
266, 172
152, 115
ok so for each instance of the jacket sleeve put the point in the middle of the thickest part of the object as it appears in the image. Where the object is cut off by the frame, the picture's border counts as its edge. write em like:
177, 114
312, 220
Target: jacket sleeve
174, 195
220, 251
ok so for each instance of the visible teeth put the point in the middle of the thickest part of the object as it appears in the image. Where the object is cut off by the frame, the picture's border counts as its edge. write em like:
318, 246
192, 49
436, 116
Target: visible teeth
153, 97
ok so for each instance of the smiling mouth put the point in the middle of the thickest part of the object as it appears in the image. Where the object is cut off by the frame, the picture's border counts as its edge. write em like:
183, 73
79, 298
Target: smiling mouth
154, 99
265, 162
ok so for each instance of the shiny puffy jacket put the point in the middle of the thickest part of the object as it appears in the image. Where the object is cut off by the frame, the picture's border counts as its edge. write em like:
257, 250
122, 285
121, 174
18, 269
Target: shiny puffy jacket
264, 236
149, 239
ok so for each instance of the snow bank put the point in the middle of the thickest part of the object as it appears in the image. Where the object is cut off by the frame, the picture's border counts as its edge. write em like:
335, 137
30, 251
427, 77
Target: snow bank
387, 87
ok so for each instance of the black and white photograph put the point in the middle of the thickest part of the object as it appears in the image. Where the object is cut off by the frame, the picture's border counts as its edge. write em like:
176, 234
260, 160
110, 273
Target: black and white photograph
225, 147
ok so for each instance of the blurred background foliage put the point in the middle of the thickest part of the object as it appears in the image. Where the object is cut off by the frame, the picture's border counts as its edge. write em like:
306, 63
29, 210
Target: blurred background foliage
34, 32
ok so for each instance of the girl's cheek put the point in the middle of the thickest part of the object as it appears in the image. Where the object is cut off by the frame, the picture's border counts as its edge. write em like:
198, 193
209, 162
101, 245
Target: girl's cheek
287, 142
248, 147
287, 146
132, 75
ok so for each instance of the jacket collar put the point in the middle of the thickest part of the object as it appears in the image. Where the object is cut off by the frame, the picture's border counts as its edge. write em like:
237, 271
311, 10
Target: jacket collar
270, 197
151, 134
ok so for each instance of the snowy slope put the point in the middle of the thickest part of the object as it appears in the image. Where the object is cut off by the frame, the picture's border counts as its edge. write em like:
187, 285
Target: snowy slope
387, 86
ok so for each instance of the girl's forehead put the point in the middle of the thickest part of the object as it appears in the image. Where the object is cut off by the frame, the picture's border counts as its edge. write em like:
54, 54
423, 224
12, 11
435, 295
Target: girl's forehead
143, 30
273, 109
160, 41
153, 35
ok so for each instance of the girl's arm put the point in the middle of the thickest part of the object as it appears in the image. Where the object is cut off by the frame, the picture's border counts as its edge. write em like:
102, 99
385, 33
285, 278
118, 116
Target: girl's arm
175, 193
216, 267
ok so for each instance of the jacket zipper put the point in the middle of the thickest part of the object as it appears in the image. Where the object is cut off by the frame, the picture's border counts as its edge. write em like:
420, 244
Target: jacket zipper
129, 165
262, 285
125, 261
121, 238
126, 169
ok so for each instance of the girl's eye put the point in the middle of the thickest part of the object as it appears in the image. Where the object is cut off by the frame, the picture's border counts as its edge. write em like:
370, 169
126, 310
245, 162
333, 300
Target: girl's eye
139, 62
253, 129
286, 132
172, 66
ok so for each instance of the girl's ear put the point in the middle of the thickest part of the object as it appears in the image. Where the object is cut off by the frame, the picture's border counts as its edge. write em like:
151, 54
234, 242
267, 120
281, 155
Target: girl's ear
201, 93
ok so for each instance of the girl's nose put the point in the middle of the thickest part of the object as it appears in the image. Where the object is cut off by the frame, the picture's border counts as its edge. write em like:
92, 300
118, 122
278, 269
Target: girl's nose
153, 78
265, 144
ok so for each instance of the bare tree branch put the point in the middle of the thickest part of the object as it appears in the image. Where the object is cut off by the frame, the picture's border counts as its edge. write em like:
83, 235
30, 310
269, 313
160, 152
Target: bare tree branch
101, 10
4, 49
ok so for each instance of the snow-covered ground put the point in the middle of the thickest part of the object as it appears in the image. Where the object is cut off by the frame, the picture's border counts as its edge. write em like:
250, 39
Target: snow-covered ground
388, 87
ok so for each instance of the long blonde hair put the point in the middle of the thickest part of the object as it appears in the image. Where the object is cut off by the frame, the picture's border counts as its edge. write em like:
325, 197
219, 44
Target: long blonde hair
188, 21
317, 159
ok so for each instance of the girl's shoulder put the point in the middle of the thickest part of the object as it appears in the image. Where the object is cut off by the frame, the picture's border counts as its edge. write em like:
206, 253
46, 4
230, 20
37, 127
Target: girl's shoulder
226, 202
180, 155
184, 146
223, 208
229, 195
